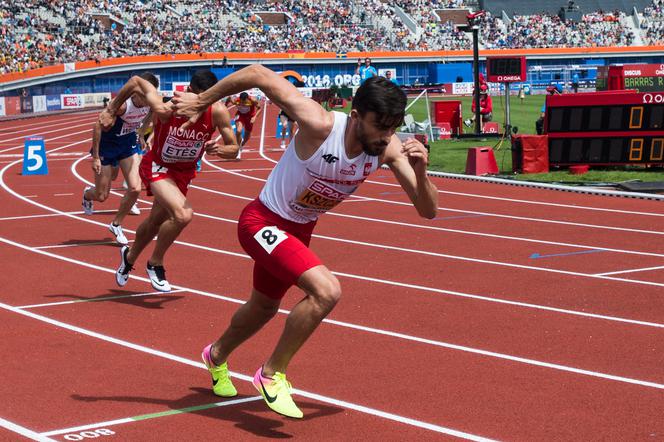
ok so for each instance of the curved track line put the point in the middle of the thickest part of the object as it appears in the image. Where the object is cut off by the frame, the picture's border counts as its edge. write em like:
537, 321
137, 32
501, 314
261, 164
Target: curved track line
389, 282
402, 249
402, 336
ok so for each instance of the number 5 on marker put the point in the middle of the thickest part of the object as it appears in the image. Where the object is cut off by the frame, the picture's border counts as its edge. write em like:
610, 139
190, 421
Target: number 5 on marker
34, 157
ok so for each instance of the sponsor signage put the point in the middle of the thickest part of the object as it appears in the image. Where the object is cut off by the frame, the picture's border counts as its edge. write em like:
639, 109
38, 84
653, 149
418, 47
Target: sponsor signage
71, 101
53, 103
39, 103
2, 107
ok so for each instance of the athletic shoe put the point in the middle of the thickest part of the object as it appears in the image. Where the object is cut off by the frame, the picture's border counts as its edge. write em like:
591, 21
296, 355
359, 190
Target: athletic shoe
221, 380
282, 145
239, 154
467, 122
157, 276
135, 210
120, 237
276, 392
122, 273
87, 204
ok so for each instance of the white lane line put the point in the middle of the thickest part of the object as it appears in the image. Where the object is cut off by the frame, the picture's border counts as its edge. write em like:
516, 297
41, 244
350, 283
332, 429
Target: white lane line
78, 244
68, 135
373, 330
35, 126
429, 227
246, 378
129, 420
645, 269
62, 194
41, 122
25, 432
521, 218
541, 203
41, 133
49, 215
388, 282
105, 298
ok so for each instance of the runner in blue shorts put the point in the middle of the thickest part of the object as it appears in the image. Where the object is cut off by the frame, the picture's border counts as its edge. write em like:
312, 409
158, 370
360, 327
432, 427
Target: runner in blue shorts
120, 147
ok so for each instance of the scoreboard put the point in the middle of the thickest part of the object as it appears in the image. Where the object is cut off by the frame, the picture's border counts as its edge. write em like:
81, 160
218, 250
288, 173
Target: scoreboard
506, 69
642, 77
605, 128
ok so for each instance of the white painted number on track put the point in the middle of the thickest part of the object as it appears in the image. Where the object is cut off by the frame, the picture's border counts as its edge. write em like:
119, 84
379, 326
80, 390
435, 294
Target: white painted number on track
270, 237
89, 434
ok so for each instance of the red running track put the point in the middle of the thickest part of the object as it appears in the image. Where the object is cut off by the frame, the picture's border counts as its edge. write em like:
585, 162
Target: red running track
516, 314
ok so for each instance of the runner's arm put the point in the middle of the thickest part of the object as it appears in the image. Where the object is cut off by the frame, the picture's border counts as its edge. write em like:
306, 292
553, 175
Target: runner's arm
137, 85
314, 121
228, 147
408, 162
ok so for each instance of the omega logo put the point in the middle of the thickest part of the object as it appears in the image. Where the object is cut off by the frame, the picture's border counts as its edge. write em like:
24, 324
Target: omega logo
653, 98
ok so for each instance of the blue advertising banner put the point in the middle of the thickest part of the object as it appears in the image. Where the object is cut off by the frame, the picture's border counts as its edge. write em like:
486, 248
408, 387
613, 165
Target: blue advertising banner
53, 102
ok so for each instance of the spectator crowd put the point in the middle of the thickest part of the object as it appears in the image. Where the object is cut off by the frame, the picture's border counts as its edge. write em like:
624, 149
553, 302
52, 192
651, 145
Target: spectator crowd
35, 33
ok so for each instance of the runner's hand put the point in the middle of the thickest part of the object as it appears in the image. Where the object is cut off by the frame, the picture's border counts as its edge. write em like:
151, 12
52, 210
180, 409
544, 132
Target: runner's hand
225, 151
187, 105
96, 165
418, 157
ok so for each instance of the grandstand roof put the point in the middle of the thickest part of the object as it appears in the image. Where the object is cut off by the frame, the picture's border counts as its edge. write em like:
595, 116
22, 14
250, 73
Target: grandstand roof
529, 7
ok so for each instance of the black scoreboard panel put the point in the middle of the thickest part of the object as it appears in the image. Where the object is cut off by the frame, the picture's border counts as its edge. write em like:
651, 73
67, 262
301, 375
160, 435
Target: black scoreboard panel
606, 150
606, 118
504, 66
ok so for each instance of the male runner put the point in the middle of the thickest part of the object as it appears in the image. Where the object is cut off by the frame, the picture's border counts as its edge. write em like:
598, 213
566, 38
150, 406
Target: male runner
168, 167
118, 146
286, 127
332, 155
245, 116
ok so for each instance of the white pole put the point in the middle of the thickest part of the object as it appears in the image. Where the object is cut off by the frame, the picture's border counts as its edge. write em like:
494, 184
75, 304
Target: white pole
416, 98
426, 96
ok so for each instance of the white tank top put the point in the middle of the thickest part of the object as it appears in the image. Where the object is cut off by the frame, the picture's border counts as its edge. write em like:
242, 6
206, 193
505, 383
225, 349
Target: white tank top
301, 191
133, 117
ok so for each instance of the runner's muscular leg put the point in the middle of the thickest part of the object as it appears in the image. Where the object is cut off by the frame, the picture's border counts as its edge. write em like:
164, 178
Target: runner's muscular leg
246, 321
323, 291
168, 195
147, 230
129, 168
102, 185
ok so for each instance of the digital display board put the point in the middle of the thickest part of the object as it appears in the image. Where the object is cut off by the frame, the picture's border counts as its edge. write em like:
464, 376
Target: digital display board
605, 128
506, 69
640, 77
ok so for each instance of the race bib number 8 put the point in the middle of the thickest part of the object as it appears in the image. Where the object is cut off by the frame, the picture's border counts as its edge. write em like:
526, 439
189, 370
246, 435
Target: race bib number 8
270, 237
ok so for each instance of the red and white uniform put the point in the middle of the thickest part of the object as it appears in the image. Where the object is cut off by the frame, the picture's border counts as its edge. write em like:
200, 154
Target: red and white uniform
174, 151
275, 230
246, 110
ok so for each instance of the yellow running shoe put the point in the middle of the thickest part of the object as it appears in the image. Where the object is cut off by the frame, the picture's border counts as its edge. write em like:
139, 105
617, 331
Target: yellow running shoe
276, 392
221, 380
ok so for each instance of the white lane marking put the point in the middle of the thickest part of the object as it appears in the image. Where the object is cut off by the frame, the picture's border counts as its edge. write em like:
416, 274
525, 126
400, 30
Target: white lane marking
23, 125
203, 215
41, 132
47, 140
541, 203
129, 420
48, 215
105, 298
522, 218
397, 335
303, 393
78, 244
25, 432
644, 269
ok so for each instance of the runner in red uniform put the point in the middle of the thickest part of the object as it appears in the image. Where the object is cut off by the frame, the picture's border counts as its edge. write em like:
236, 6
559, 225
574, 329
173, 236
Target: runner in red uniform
247, 111
168, 167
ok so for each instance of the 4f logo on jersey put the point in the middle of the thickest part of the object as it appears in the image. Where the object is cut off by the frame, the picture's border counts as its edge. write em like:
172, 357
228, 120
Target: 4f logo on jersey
330, 159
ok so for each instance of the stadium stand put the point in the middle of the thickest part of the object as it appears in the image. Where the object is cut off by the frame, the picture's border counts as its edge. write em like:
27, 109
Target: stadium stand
35, 33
